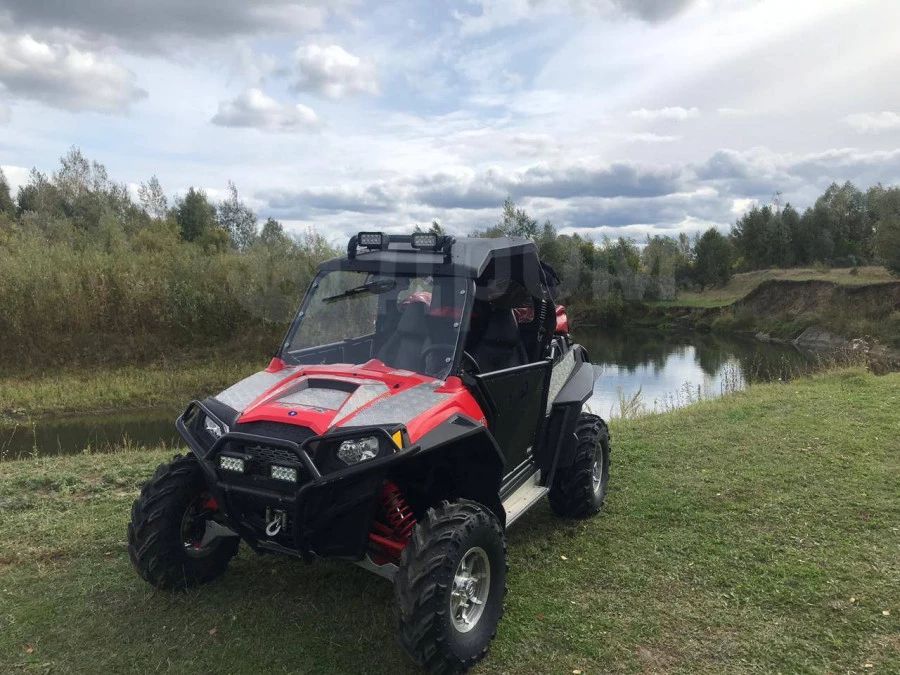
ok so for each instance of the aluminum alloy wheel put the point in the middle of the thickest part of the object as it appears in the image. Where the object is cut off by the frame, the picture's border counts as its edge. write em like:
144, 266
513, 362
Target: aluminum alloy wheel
597, 469
471, 587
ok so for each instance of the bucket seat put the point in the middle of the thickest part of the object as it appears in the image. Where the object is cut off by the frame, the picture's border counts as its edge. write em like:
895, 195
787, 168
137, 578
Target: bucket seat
501, 344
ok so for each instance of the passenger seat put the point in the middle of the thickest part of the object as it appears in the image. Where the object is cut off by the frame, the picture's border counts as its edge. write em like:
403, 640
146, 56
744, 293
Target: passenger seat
404, 348
501, 346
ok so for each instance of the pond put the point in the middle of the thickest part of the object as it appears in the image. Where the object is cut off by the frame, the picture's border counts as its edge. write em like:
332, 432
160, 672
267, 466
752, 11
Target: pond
97, 432
642, 370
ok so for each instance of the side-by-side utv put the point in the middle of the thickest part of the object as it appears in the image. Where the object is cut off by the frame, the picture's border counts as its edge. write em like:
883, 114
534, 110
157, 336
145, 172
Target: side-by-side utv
426, 396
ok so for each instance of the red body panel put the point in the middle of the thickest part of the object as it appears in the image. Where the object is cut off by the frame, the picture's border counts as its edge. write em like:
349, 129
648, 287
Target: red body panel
460, 402
269, 406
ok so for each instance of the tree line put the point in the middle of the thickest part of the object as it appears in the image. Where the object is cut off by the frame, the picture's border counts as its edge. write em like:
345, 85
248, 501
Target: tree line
846, 227
81, 205
85, 264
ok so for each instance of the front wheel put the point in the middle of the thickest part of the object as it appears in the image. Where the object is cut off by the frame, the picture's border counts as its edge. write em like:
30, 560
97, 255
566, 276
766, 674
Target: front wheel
174, 538
579, 490
450, 586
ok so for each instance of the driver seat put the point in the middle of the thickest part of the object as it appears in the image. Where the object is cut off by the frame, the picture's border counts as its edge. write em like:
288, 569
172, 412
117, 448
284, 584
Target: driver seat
403, 350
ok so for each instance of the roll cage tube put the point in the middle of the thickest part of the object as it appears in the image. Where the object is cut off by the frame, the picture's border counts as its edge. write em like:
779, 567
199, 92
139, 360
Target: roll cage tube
467, 290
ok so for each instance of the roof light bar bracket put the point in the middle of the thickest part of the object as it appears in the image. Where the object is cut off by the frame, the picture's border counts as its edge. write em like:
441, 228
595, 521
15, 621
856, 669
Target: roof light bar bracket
420, 241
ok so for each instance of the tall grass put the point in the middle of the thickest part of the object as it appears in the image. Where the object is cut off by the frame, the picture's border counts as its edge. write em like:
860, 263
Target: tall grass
60, 302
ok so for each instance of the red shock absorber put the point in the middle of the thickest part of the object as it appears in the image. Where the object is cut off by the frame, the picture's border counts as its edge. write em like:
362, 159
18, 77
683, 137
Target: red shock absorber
394, 527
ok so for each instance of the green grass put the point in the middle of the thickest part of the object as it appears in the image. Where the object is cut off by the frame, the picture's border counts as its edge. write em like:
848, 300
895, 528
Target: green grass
741, 284
757, 533
84, 390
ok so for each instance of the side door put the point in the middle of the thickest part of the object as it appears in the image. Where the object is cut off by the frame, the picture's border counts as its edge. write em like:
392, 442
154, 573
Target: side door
516, 401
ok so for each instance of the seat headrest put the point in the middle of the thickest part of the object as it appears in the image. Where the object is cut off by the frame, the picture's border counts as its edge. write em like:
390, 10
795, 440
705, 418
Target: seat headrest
412, 321
502, 327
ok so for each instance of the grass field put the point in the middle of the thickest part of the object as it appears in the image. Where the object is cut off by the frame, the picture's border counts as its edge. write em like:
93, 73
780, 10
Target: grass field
741, 284
757, 533
84, 389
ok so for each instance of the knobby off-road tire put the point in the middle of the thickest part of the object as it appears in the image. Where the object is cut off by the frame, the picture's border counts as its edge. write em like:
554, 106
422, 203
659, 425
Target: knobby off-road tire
579, 490
156, 537
431, 617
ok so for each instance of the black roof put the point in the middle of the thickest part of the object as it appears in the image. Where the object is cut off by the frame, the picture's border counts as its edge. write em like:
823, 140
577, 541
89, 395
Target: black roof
469, 257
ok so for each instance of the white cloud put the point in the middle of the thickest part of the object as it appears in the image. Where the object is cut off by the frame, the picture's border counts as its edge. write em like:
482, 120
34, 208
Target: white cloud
676, 113
255, 110
16, 176
62, 76
333, 72
733, 112
874, 123
253, 66
649, 138
741, 206
5, 114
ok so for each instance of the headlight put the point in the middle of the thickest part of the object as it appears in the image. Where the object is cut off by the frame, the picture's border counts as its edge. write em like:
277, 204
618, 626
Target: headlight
358, 450
213, 428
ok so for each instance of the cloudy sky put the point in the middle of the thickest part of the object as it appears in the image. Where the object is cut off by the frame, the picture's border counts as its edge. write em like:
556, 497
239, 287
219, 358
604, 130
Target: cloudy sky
606, 116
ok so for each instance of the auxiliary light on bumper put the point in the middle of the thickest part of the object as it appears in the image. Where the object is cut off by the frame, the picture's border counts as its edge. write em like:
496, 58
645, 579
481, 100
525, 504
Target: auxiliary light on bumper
286, 473
229, 463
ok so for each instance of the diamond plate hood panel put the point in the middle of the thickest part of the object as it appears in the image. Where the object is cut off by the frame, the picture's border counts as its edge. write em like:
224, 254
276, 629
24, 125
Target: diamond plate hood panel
323, 397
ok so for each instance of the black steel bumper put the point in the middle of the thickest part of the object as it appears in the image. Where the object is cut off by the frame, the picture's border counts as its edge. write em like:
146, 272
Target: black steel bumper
328, 515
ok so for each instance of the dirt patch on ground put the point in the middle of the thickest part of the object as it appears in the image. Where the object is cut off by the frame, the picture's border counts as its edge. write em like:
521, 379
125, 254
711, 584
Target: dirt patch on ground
655, 659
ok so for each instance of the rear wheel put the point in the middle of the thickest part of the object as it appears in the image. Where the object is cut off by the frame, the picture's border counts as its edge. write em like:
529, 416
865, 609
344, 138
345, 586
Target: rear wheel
174, 538
450, 586
579, 490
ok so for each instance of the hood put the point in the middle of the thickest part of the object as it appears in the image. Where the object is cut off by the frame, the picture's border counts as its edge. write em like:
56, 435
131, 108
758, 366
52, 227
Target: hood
322, 397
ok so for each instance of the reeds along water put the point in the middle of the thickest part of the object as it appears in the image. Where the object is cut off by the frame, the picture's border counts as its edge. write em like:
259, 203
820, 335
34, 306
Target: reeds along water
59, 300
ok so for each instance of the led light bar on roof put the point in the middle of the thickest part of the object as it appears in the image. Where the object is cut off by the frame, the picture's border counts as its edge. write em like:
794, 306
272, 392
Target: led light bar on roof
370, 239
424, 240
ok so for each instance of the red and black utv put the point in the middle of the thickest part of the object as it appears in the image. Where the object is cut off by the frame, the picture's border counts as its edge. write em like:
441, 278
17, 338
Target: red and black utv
426, 396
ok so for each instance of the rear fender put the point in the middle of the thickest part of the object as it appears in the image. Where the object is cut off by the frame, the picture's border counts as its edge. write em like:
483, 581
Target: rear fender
564, 411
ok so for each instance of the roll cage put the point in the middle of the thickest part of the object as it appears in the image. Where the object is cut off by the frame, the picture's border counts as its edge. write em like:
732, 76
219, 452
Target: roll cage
489, 277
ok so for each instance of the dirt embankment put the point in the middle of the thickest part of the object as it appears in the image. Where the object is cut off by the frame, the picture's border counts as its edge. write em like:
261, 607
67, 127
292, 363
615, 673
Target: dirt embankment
798, 298
819, 313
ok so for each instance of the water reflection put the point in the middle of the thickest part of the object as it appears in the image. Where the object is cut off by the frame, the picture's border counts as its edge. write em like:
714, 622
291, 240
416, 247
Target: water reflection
671, 370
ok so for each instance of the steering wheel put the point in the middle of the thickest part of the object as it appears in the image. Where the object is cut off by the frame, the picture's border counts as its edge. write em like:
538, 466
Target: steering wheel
428, 351
468, 358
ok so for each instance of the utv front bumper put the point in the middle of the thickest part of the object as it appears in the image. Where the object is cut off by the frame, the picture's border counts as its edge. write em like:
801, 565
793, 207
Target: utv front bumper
326, 512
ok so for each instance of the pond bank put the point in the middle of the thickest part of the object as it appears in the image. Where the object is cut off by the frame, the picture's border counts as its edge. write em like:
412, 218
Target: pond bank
84, 390
809, 314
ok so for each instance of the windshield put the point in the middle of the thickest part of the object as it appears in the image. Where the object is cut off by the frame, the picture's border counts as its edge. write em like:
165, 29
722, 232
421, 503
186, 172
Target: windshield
406, 322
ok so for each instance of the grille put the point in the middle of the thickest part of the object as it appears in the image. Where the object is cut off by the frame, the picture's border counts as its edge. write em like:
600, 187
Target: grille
287, 432
264, 455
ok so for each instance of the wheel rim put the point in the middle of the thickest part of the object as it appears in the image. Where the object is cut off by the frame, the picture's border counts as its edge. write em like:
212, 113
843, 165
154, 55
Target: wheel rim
195, 524
597, 469
471, 586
